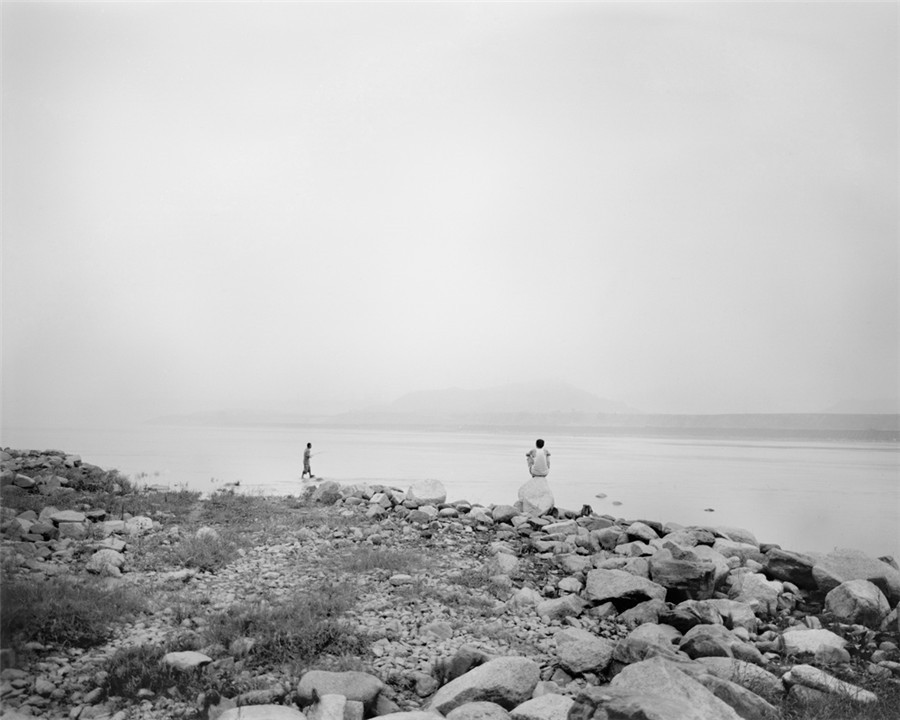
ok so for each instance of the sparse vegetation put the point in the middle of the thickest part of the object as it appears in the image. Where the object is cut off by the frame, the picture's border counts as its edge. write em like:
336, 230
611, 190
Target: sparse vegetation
294, 632
63, 611
365, 559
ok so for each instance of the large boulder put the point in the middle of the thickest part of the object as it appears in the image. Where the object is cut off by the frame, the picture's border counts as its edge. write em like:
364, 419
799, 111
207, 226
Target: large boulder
327, 493
647, 641
745, 702
841, 565
536, 497
106, 562
551, 706
507, 681
802, 640
559, 608
359, 686
611, 585
683, 573
760, 593
580, 651
858, 601
657, 688
791, 567
427, 492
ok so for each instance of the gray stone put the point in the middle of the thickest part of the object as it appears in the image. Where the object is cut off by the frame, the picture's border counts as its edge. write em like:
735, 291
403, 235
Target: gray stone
751, 676
737, 535
427, 492
687, 576
841, 565
262, 712
641, 531
353, 685
804, 640
753, 588
137, 525
551, 706
743, 551
106, 562
67, 516
656, 688
746, 703
481, 710
559, 608
507, 681
817, 679
580, 651
647, 641
328, 707
73, 530
186, 660
536, 497
327, 493
602, 585
791, 567
858, 602
503, 513
707, 641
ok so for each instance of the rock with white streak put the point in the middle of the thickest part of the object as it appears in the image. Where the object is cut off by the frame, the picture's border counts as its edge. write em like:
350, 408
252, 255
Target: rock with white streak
813, 677
186, 660
746, 703
262, 712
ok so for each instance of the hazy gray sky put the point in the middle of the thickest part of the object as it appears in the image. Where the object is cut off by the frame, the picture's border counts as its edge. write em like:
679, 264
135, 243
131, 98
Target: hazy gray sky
684, 207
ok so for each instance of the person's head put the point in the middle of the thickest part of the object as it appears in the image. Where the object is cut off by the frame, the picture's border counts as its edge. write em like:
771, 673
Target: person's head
539, 444
309, 445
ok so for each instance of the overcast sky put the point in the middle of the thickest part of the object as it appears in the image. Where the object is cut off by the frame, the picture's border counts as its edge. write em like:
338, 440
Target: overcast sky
684, 207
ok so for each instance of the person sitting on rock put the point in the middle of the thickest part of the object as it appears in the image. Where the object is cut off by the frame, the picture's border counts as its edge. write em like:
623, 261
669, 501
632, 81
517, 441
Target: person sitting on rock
538, 460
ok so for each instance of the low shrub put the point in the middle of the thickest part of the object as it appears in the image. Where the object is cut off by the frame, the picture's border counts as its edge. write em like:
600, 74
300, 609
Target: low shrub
207, 552
63, 611
295, 632
364, 559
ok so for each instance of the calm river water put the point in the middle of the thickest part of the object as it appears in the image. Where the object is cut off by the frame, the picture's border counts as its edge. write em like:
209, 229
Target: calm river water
804, 495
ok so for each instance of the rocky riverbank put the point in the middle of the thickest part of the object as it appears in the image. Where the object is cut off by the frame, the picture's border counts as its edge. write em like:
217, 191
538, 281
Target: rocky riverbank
523, 610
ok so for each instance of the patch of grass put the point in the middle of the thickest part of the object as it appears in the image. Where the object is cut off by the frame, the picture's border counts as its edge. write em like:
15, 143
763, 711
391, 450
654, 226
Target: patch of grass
364, 559
843, 708
479, 578
207, 552
63, 611
294, 632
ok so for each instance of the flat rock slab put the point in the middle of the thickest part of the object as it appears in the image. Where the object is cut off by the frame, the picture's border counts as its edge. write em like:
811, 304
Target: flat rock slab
262, 712
186, 660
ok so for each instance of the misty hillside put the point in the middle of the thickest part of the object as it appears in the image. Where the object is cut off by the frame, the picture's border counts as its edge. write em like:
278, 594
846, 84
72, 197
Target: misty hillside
534, 398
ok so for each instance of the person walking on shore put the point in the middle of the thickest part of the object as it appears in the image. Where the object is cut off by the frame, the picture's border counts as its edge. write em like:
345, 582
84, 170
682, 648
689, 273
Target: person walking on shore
307, 454
538, 460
